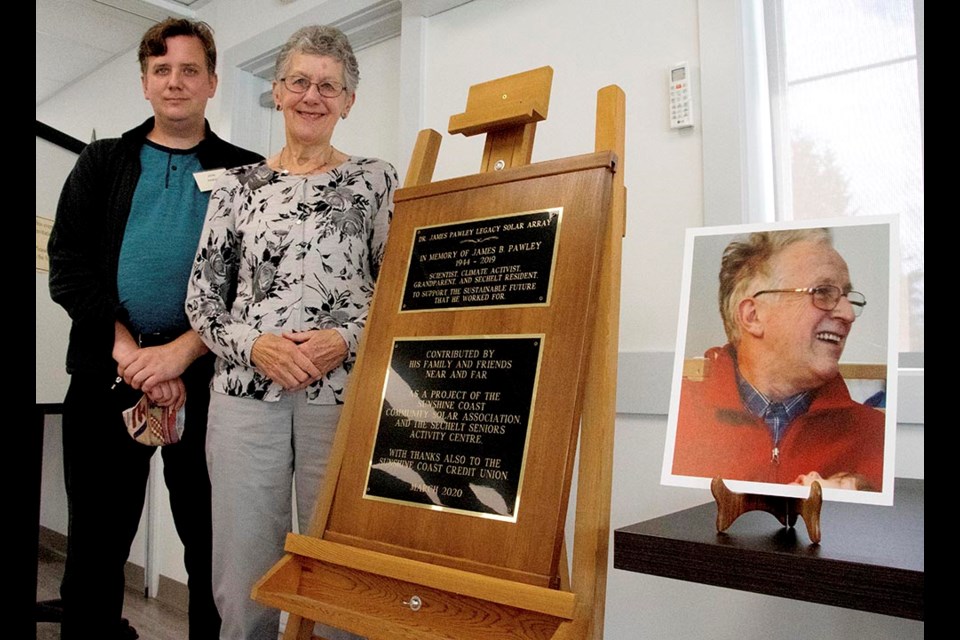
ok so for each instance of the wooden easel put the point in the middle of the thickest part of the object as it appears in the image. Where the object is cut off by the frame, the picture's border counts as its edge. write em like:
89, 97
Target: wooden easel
387, 570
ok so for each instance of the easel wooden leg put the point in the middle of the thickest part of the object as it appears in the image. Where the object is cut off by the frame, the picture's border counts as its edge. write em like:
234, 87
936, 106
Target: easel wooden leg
424, 160
564, 567
298, 628
592, 528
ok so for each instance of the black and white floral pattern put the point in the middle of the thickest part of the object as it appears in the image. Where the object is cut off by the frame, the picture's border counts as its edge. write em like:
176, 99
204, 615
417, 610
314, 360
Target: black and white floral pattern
288, 253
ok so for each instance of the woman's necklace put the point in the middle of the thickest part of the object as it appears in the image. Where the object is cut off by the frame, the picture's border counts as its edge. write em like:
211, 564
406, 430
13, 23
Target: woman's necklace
310, 169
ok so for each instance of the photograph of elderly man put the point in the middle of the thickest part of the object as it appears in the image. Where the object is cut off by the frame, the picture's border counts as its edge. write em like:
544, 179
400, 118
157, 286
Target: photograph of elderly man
772, 406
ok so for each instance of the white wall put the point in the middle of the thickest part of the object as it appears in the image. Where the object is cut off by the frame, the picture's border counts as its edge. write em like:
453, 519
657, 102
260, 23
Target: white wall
631, 43
108, 101
589, 45
53, 164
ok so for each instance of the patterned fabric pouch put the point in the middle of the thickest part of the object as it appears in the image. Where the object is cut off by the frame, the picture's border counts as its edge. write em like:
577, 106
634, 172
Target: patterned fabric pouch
153, 425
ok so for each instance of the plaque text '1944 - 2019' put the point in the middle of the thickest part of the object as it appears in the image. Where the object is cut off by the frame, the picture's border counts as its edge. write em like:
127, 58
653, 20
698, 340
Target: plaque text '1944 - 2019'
454, 423
498, 261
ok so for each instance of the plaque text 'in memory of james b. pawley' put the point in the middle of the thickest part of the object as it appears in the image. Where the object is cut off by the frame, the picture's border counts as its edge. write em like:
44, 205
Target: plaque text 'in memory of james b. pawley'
497, 261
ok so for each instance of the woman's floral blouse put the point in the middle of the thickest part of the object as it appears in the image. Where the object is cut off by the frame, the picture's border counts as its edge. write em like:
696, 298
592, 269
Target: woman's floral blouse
282, 253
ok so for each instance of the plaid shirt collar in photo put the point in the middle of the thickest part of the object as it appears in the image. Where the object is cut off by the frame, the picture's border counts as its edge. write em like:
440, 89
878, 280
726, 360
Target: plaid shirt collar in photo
777, 415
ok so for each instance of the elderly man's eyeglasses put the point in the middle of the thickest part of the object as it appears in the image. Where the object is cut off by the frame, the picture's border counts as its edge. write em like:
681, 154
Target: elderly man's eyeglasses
299, 84
826, 297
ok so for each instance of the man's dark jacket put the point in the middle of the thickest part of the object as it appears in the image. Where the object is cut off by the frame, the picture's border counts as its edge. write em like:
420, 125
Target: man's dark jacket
87, 234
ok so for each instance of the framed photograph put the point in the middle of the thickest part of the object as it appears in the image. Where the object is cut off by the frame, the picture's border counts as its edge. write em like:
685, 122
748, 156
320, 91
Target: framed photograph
786, 360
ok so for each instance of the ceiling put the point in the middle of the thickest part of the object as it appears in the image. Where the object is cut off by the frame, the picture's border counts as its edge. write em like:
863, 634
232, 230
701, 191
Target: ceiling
75, 37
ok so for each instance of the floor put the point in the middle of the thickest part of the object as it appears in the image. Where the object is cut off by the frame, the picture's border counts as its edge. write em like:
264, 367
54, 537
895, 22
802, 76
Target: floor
152, 619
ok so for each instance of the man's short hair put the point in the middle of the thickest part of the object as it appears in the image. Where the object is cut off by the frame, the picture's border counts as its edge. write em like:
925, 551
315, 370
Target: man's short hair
746, 262
154, 41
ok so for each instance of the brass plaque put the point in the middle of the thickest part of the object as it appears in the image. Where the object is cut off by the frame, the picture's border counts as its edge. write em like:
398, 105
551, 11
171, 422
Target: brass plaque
501, 261
44, 227
454, 423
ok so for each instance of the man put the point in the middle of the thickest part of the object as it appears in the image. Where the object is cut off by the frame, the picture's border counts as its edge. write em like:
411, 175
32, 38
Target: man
125, 236
772, 406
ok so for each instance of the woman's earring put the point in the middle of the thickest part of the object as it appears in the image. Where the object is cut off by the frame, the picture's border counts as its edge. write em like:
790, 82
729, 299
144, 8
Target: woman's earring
279, 108
343, 116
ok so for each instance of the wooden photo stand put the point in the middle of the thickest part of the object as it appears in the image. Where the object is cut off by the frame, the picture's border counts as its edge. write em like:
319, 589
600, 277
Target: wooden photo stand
489, 353
731, 505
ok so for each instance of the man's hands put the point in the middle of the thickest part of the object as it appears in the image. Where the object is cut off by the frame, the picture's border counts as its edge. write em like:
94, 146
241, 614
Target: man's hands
295, 360
842, 480
171, 393
156, 370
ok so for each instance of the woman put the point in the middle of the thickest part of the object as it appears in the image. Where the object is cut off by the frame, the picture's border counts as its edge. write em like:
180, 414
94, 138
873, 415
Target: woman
281, 284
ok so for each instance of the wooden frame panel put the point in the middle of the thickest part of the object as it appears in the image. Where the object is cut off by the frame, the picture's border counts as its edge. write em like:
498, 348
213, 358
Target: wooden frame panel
526, 551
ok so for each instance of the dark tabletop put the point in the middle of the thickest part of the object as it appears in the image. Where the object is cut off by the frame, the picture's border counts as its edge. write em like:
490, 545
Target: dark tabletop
869, 558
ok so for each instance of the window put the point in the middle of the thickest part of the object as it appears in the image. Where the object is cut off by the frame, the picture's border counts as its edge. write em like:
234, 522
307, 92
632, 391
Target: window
846, 121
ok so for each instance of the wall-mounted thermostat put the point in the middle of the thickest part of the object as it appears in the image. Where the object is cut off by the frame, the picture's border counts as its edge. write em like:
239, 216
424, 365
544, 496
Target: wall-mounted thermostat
681, 98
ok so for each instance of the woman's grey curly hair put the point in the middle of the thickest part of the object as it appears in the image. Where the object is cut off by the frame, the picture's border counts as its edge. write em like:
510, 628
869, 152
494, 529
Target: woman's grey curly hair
321, 40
